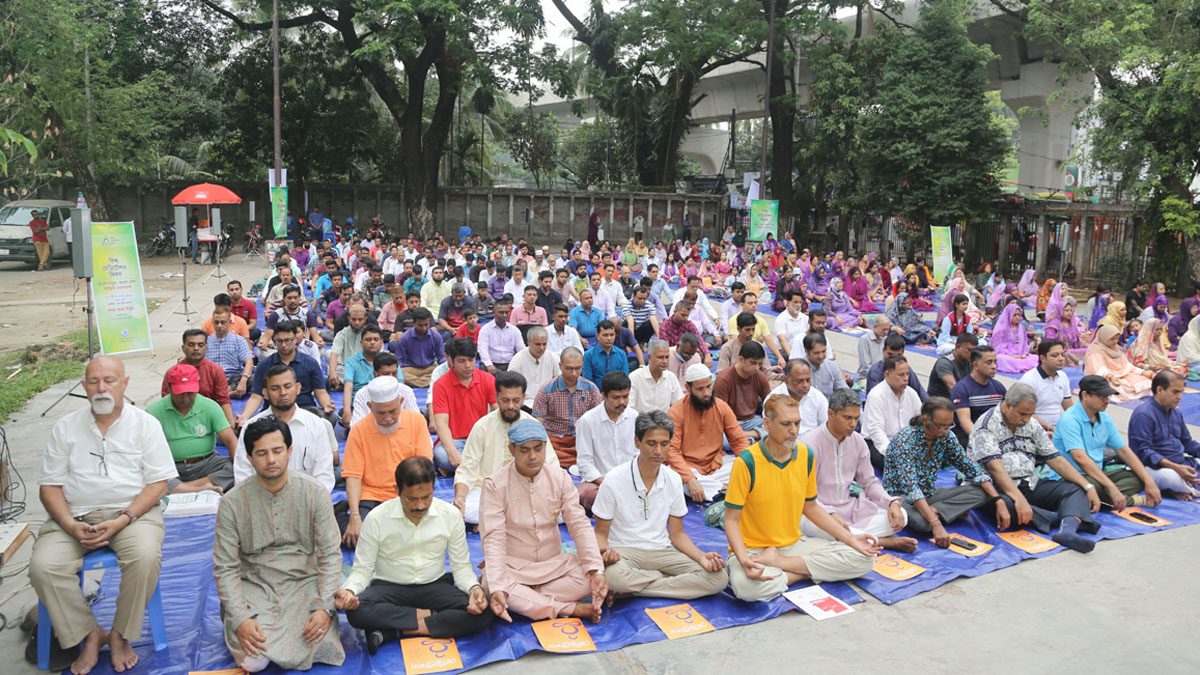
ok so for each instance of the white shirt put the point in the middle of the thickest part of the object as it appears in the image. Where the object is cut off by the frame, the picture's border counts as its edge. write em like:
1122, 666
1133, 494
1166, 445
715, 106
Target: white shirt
569, 338
106, 471
66, 229
601, 444
392, 548
791, 327
885, 415
486, 334
701, 299
645, 394
615, 291
313, 445
537, 372
517, 288
639, 516
1050, 391
602, 301
814, 408
360, 409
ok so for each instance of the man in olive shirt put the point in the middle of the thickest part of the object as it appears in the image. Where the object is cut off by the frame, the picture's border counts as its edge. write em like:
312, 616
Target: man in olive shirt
192, 424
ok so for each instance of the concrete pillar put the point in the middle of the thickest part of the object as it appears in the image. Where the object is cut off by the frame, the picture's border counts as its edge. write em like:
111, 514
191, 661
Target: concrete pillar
1083, 254
488, 227
571, 226
1043, 246
702, 221
510, 212
649, 212
550, 216
1005, 241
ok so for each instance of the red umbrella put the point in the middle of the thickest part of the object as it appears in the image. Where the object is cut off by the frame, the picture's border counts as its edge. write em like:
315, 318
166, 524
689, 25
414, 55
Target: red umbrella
206, 193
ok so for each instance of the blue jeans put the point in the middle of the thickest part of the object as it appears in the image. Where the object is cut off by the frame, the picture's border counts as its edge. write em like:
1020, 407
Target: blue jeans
195, 241
441, 460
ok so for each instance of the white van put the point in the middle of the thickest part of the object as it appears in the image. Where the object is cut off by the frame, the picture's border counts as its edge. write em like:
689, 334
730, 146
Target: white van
16, 239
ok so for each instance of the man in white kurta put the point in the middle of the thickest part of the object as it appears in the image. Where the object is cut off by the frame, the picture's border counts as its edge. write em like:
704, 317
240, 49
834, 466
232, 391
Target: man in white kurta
536, 362
604, 437
653, 386
314, 445
277, 561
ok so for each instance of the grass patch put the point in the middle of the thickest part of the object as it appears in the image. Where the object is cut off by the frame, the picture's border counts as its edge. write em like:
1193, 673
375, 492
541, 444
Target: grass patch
32, 379
152, 305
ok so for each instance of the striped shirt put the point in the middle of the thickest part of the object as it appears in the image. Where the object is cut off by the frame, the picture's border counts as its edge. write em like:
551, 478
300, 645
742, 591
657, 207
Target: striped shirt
640, 314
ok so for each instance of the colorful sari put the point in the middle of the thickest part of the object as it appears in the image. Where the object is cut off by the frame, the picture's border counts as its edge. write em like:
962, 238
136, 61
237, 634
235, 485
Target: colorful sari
1178, 324
840, 310
1012, 342
1151, 349
1043, 296
1106, 359
859, 293
908, 320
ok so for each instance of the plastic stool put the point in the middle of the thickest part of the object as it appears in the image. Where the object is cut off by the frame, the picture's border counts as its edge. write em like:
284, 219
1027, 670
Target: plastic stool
101, 559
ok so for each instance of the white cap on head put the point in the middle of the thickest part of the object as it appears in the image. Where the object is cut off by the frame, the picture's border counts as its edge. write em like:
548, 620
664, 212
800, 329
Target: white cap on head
383, 389
697, 372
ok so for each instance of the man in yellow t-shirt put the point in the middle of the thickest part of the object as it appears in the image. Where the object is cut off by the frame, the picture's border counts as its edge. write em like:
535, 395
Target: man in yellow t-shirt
772, 485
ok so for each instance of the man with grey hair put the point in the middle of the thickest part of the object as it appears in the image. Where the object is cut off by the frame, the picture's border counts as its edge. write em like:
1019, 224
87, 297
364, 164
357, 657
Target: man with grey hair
538, 364
652, 386
843, 458
452, 313
562, 401
870, 346
797, 383
1009, 444
639, 513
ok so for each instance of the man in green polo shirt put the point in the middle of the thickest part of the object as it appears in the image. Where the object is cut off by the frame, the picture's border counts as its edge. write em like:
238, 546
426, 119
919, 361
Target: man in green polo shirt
192, 424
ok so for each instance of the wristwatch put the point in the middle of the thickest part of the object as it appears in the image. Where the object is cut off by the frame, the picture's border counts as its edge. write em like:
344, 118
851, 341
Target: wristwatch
1089, 486
129, 514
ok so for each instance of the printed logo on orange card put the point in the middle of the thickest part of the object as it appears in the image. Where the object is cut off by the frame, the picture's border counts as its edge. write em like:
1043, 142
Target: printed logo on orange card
679, 621
564, 636
1143, 517
1028, 541
973, 549
429, 655
896, 569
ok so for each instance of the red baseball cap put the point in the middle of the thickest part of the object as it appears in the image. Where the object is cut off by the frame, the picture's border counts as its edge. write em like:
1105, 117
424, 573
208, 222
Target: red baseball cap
184, 379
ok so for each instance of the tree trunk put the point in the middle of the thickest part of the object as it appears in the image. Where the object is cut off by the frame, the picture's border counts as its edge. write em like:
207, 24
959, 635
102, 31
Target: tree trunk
1193, 254
783, 123
79, 168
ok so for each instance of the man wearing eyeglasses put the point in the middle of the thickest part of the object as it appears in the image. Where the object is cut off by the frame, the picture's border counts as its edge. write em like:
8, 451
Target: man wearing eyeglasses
914, 457
639, 511
103, 472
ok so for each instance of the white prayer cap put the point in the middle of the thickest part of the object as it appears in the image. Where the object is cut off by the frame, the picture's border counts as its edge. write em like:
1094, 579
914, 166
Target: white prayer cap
697, 372
383, 389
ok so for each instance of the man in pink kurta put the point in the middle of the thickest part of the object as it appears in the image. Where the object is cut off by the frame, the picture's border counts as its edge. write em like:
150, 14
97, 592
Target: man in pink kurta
525, 568
842, 458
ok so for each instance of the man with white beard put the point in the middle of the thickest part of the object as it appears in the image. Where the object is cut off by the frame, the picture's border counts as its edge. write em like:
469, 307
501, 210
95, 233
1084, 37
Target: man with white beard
103, 473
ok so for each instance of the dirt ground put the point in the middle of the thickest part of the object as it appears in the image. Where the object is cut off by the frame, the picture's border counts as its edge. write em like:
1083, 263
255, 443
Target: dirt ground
40, 306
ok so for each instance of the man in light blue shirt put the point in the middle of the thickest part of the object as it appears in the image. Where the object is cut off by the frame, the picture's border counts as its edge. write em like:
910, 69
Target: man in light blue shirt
1086, 435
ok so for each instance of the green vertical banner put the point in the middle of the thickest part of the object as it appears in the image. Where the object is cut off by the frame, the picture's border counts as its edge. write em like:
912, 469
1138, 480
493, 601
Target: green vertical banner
764, 219
279, 210
943, 251
120, 298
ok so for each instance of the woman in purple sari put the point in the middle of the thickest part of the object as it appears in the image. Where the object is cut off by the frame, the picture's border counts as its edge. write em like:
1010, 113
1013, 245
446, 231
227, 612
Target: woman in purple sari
839, 309
818, 283
1027, 289
860, 292
1062, 324
1012, 342
1178, 325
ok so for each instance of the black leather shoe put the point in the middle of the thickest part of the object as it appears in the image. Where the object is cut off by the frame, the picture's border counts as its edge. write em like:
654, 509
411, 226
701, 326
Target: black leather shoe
374, 639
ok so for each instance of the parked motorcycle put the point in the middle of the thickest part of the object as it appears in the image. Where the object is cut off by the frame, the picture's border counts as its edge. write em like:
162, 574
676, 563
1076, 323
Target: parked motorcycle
254, 239
162, 242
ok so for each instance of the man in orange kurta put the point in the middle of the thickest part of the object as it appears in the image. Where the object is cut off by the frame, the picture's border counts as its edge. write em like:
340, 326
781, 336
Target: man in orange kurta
702, 423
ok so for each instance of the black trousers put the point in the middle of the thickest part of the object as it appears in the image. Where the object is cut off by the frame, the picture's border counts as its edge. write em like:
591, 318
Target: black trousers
387, 606
341, 512
877, 458
1051, 501
644, 332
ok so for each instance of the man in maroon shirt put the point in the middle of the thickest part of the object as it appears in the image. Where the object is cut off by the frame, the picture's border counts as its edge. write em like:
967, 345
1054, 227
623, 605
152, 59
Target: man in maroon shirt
40, 241
213, 383
245, 309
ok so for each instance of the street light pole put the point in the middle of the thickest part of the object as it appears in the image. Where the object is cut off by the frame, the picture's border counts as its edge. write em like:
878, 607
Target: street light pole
762, 174
275, 97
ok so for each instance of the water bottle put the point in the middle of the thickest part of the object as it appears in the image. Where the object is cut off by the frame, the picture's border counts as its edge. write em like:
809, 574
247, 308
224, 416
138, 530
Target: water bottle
80, 202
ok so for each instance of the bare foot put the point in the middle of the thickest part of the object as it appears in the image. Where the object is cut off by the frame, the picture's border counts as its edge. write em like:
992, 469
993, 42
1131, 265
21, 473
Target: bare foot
585, 610
768, 557
1181, 496
123, 656
89, 651
902, 544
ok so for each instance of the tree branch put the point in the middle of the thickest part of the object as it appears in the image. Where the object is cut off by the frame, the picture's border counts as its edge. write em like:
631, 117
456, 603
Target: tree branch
316, 16
999, 4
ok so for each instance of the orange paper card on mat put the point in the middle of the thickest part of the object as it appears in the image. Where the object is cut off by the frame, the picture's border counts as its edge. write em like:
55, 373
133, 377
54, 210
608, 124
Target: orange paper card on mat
429, 655
980, 547
564, 636
896, 569
1028, 541
1154, 521
679, 621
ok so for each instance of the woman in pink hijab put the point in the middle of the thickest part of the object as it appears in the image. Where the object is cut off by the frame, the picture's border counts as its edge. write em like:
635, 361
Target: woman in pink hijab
1012, 342
1027, 289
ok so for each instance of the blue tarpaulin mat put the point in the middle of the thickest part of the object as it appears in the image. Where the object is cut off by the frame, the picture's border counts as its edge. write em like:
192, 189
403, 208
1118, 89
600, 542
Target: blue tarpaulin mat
942, 566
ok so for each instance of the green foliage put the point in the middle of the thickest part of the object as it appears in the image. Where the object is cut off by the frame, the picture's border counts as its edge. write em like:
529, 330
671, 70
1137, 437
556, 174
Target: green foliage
593, 156
929, 147
10, 141
533, 141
